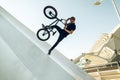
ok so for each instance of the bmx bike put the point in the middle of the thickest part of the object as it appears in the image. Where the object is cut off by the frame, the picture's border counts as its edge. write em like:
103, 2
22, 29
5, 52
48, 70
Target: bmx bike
43, 33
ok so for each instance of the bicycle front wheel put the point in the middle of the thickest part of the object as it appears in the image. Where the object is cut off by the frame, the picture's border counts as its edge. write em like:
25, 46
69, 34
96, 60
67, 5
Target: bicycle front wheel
43, 34
50, 12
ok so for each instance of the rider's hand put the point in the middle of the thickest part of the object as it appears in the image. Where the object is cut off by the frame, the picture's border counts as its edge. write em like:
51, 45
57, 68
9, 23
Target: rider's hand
64, 27
68, 19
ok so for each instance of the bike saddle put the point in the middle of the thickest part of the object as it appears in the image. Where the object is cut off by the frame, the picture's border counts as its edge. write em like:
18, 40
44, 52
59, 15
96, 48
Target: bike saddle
43, 25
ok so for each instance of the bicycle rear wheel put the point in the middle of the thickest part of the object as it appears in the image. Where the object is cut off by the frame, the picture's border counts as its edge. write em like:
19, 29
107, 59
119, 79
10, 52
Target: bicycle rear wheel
43, 34
50, 12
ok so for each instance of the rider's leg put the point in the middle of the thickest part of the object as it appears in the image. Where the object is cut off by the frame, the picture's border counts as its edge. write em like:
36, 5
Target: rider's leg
58, 28
57, 42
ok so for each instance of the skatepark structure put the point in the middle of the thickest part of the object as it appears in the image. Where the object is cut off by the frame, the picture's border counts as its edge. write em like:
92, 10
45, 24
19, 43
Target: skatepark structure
24, 57
104, 57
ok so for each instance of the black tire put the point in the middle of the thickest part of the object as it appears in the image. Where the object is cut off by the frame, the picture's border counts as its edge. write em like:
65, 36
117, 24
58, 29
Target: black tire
48, 10
43, 34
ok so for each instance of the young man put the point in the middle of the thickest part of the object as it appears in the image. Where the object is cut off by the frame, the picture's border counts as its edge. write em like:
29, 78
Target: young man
68, 29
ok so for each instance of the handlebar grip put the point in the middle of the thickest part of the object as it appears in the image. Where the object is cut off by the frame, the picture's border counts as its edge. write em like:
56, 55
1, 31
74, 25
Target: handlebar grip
63, 19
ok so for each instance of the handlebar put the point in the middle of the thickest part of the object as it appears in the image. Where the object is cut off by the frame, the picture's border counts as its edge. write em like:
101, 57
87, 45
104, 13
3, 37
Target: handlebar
61, 20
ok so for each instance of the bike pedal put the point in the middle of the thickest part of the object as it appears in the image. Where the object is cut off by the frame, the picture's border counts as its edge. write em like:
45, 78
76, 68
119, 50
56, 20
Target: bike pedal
54, 33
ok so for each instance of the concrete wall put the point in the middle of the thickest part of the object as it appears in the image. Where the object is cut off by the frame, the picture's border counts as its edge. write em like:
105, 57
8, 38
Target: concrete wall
24, 57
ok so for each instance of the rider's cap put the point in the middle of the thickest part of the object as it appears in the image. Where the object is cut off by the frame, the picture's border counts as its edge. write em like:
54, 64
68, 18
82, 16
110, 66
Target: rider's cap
72, 18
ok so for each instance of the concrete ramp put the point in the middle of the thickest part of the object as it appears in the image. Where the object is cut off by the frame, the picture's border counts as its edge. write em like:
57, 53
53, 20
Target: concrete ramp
24, 57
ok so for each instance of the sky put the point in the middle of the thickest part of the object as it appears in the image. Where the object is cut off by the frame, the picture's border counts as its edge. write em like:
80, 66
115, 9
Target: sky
91, 20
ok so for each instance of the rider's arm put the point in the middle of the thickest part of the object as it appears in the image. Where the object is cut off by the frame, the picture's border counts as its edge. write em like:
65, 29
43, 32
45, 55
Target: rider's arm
67, 21
69, 31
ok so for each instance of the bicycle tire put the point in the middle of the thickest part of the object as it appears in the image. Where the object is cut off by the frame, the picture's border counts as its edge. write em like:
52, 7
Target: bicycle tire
41, 37
53, 10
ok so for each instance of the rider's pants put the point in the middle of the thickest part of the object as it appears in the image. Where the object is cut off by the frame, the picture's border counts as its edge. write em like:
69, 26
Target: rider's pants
60, 38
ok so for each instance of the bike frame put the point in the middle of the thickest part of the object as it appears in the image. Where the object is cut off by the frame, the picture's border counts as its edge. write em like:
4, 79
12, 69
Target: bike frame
44, 33
56, 22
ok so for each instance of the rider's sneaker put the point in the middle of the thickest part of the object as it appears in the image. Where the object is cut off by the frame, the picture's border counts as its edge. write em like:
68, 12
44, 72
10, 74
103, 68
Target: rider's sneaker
52, 27
54, 33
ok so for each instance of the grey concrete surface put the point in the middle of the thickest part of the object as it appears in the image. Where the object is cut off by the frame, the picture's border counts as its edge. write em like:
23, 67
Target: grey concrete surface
24, 57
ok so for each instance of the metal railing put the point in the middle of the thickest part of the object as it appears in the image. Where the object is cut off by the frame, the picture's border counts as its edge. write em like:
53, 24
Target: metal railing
104, 67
